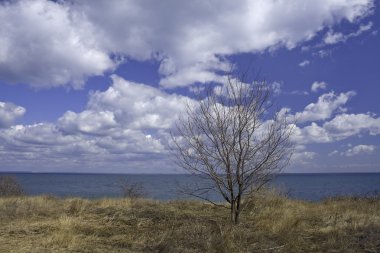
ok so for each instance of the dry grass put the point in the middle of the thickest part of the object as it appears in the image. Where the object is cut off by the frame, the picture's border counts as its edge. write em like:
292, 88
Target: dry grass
274, 224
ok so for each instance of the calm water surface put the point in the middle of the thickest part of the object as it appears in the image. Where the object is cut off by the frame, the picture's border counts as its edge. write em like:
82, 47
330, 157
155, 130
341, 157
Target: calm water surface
312, 187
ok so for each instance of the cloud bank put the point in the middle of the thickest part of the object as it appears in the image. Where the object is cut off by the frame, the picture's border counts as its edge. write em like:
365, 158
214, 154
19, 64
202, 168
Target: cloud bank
121, 129
48, 44
128, 126
62, 43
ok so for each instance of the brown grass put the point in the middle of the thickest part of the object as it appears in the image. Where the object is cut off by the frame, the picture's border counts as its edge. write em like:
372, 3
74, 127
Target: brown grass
273, 224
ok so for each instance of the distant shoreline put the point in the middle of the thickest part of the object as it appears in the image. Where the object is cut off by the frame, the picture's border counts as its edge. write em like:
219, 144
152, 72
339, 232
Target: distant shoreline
176, 174
306, 186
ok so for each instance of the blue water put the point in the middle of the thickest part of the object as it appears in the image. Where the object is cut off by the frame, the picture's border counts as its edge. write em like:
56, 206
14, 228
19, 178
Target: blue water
311, 187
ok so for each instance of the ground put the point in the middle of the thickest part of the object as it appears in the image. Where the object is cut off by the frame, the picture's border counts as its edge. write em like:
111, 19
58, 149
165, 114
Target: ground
271, 223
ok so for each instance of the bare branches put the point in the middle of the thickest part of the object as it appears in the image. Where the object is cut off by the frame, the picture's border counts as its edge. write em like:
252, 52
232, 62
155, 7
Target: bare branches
233, 139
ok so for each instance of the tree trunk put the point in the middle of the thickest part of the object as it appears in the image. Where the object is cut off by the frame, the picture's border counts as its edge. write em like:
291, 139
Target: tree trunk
235, 212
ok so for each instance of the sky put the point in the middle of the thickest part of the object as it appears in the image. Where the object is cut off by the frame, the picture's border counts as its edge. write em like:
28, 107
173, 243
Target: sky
96, 86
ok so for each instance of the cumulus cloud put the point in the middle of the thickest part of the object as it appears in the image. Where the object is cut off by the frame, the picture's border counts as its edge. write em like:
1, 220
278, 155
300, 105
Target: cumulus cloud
135, 119
138, 106
335, 124
318, 86
311, 134
44, 147
359, 149
9, 113
51, 43
44, 44
127, 123
127, 117
130, 122
303, 157
87, 121
341, 127
345, 125
125, 104
40, 134
325, 107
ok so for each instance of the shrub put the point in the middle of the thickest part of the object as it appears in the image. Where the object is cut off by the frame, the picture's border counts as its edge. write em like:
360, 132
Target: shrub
10, 187
132, 190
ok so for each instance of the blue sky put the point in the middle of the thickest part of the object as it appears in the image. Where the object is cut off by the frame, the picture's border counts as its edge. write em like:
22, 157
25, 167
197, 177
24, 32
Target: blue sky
96, 86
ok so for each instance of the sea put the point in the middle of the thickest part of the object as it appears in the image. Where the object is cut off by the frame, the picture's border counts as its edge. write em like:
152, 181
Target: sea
311, 187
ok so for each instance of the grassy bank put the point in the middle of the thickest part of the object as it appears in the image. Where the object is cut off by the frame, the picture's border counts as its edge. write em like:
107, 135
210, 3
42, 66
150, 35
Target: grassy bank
276, 224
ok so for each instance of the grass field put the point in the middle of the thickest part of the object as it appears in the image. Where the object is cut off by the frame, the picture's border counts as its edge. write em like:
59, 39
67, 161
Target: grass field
273, 224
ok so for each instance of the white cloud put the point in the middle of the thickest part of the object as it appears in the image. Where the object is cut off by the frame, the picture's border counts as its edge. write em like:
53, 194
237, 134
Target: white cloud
44, 147
302, 156
363, 28
340, 127
304, 63
345, 125
333, 153
89, 122
228, 84
40, 135
196, 89
323, 53
359, 149
336, 37
318, 86
138, 106
325, 107
333, 38
126, 124
299, 92
276, 88
311, 134
9, 113
193, 39
129, 123
46, 43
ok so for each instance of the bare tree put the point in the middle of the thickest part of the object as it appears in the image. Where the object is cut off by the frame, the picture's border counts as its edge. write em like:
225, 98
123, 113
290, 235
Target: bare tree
235, 140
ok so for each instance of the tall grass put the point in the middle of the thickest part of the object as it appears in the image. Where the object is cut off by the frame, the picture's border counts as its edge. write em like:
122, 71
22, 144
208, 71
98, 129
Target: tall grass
272, 223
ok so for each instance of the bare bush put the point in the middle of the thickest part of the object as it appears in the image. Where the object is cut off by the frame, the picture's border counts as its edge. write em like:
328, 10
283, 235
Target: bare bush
9, 187
132, 190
